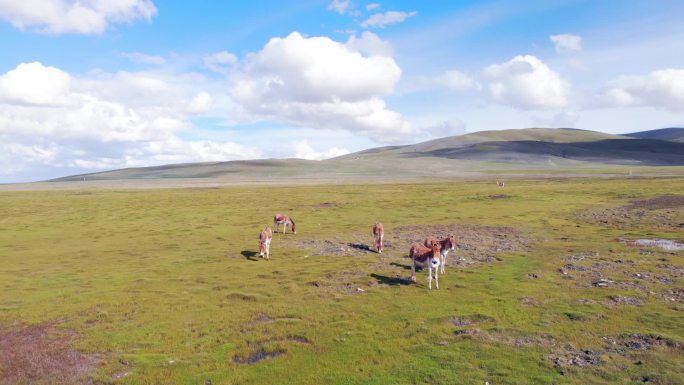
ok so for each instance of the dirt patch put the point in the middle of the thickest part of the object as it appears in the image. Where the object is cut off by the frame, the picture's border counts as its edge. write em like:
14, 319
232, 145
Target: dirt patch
621, 343
624, 300
43, 354
569, 357
661, 202
674, 295
475, 243
331, 248
664, 213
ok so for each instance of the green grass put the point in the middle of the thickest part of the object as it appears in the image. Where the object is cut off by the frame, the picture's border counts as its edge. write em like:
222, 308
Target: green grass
163, 279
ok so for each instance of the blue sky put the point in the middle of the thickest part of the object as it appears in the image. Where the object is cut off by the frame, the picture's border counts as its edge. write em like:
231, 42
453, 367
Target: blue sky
94, 85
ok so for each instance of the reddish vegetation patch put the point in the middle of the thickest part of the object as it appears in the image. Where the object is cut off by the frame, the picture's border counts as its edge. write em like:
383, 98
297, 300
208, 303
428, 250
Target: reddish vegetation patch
661, 202
42, 354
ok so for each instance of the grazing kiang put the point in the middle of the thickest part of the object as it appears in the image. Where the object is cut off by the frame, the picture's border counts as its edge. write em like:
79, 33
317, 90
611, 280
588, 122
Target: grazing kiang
284, 220
423, 256
378, 235
500, 183
447, 244
265, 238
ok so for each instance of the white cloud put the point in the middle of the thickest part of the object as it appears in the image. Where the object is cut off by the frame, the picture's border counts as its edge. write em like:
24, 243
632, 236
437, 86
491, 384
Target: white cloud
50, 119
456, 81
660, 89
202, 102
319, 83
372, 6
143, 58
526, 82
566, 43
381, 20
220, 62
369, 44
340, 6
448, 127
303, 150
67, 16
35, 84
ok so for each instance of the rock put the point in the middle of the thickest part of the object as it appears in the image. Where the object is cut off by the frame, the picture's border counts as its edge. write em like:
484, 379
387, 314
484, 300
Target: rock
602, 282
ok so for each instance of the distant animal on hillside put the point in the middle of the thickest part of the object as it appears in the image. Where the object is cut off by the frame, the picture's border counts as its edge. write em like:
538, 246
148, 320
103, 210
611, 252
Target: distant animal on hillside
423, 256
501, 183
265, 238
378, 235
447, 244
281, 219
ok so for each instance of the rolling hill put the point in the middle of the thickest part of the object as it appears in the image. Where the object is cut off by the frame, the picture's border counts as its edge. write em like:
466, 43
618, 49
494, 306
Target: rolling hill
673, 134
469, 154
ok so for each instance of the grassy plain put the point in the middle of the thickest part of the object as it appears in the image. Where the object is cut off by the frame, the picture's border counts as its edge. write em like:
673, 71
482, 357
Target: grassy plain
162, 286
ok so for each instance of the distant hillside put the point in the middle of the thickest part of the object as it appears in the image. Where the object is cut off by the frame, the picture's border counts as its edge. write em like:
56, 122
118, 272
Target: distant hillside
673, 134
470, 154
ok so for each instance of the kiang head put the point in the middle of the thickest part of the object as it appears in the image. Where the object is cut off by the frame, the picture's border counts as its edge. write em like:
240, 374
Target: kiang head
434, 258
452, 241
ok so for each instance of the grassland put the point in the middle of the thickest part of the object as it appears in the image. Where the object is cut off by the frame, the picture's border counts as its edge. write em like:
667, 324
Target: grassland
162, 286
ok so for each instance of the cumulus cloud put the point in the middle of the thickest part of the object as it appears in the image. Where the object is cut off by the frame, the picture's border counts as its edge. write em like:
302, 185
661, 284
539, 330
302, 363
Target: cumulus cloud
526, 82
35, 84
68, 16
202, 102
660, 89
381, 20
143, 58
566, 43
372, 6
303, 150
220, 62
319, 83
50, 118
369, 44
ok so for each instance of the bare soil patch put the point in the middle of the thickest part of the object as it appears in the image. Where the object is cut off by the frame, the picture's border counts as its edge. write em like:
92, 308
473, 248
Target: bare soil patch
475, 243
330, 247
661, 202
664, 213
674, 295
43, 354
568, 357
625, 342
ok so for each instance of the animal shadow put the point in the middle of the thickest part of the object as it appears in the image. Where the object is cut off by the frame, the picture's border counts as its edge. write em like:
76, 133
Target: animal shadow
249, 254
405, 267
360, 246
392, 281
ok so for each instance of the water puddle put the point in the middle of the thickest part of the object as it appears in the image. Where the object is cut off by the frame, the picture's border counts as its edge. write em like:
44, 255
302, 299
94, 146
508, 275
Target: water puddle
666, 244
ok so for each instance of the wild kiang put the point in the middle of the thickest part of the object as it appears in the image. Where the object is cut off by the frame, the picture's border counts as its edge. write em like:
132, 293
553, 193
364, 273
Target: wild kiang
284, 220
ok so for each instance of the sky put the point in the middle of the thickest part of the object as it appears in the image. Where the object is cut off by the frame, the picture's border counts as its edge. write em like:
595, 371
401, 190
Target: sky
94, 85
